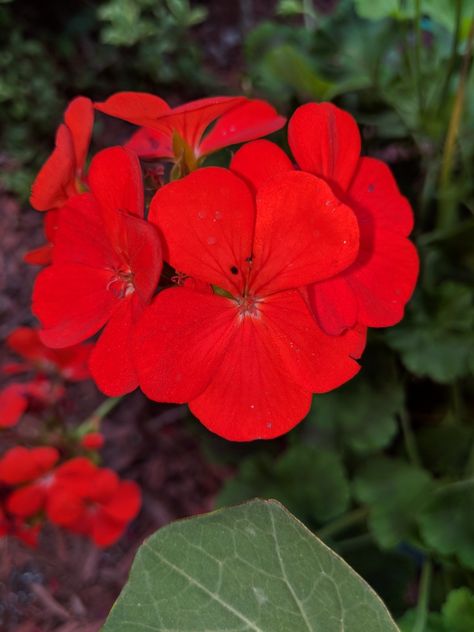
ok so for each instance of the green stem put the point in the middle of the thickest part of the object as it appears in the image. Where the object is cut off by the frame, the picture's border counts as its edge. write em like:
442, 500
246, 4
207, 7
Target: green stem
343, 523
423, 597
92, 422
409, 439
446, 216
418, 47
452, 58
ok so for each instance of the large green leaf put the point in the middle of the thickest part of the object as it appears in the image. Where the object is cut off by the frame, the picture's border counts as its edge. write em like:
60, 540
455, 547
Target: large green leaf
248, 568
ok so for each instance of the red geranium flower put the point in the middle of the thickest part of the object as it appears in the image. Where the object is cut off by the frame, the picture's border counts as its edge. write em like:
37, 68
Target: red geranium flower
248, 356
325, 142
106, 264
14, 526
169, 132
62, 174
92, 501
68, 364
32, 469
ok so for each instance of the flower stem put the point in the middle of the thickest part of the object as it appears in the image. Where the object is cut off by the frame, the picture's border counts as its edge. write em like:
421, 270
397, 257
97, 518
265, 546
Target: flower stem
423, 597
344, 522
409, 439
418, 47
446, 213
92, 422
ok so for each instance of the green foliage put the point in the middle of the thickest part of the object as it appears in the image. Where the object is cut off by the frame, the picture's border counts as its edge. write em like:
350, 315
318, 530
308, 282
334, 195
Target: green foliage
157, 31
253, 567
362, 415
436, 339
395, 492
310, 481
446, 522
457, 615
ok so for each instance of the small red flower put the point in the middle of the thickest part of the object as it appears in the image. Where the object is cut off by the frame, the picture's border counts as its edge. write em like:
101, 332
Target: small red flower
92, 441
92, 501
68, 364
106, 265
248, 356
325, 141
32, 469
13, 526
238, 119
62, 174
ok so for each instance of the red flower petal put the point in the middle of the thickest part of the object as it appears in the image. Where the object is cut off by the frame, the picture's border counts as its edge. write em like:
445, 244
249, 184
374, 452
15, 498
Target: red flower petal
334, 304
106, 531
314, 360
64, 507
105, 486
251, 396
191, 120
81, 235
259, 161
125, 504
13, 404
41, 256
115, 180
111, 361
245, 122
72, 303
79, 118
303, 233
52, 185
179, 342
93, 441
325, 141
383, 278
207, 221
133, 106
374, 193
26, 501
149, 144
26, 342
21, 465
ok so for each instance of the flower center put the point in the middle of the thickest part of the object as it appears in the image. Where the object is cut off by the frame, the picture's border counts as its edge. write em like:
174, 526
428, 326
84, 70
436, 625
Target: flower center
121, 284
248, 306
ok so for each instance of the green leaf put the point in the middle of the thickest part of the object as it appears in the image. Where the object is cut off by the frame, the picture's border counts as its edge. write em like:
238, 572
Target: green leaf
292, 68
376, 9
446, 523
436, 340
394, 492
458, 611
433, 623
309, 481
252, 567
362, 414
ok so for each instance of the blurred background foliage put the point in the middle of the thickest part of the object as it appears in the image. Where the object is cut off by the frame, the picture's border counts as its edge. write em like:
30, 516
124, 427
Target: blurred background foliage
383, 468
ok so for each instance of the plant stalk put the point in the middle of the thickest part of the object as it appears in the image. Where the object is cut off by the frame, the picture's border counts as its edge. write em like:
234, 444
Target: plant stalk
446, 216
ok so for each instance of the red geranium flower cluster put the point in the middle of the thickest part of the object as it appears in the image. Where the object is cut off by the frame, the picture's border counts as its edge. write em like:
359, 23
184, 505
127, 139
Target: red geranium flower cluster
76, 495
47, 370
280, 265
